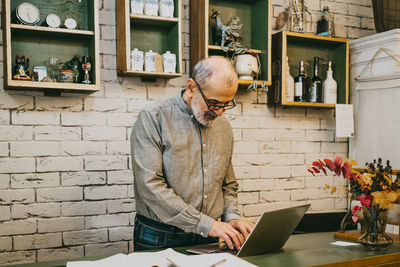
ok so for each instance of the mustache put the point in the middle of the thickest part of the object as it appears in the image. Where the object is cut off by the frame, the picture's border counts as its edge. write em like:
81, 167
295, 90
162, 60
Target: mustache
211, 114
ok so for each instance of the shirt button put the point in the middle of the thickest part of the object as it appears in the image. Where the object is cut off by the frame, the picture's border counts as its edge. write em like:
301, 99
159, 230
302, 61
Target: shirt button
204, 145
205, 196
205, 170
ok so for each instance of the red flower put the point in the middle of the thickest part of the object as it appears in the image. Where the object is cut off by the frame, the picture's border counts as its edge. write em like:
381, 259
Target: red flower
354, 176
356, 209
365, 200
330, 164
338, 165
346, 170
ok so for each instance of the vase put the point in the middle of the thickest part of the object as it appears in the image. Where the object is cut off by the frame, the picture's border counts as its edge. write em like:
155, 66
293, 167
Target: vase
151, 7
169, 62
375, 220
137, 7
167, 8
137, 60
246, 66
149, 61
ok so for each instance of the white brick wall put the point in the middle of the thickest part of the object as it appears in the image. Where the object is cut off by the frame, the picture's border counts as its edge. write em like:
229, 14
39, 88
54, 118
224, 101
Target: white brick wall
66, 185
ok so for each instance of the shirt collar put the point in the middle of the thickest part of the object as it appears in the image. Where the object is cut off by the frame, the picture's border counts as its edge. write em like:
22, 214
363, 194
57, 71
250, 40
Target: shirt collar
181, 104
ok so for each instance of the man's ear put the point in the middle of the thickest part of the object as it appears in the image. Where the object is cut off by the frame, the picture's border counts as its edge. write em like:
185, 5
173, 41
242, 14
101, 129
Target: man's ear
190, 85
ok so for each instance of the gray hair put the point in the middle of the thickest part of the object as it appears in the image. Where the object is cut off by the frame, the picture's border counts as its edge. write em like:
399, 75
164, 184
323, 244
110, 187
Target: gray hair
206, 68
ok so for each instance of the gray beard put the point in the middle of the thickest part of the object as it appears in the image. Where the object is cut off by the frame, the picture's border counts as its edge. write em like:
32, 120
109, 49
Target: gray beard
204, 118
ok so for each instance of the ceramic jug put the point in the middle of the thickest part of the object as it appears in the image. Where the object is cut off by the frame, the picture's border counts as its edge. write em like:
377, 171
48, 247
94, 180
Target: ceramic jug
151, 7
246, 66
137, 6
149, 61
167, 8
169, 62
137, 60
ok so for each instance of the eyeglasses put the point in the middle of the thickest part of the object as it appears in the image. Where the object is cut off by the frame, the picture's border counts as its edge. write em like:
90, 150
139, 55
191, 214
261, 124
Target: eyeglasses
210, 102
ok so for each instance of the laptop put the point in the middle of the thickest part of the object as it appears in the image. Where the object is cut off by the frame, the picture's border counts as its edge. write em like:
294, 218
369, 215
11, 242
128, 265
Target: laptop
271, 232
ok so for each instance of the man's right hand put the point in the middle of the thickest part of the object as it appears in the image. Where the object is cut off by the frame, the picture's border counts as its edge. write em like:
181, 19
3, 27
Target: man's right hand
229, 234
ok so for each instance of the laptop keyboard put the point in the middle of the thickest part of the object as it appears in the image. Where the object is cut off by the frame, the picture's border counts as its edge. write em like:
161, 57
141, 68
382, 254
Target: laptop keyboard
224, 250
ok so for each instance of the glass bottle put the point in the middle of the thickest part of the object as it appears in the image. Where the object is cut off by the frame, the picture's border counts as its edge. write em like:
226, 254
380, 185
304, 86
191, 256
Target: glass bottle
329, 86
301, 85
316, 84
325, 26
297, 16
289, 83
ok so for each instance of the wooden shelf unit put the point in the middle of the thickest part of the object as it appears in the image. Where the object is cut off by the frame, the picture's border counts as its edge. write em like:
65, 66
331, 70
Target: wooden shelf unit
38, 43
300, 46
144, 32
255, 15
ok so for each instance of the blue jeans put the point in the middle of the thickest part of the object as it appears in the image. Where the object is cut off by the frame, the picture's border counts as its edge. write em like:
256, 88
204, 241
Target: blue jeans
150, 234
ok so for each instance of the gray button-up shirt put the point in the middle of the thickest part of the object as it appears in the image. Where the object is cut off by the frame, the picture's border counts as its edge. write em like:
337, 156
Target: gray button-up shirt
183, 172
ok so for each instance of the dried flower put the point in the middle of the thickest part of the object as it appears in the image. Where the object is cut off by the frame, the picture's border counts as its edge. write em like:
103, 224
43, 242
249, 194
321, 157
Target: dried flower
374, 185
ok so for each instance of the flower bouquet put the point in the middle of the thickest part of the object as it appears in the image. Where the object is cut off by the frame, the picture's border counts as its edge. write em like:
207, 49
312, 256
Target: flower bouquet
375, 186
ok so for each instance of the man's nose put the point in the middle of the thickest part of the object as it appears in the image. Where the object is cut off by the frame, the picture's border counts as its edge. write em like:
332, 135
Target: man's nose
219, 111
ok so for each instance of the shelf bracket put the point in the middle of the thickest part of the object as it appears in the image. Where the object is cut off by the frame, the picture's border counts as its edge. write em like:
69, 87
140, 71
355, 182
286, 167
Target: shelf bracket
148, 79
54, 93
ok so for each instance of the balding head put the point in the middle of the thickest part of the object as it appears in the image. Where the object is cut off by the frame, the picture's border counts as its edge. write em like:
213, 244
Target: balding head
215, 70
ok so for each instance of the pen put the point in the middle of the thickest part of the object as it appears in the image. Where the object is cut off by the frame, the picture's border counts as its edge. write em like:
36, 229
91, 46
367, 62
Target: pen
173, 263
218, 263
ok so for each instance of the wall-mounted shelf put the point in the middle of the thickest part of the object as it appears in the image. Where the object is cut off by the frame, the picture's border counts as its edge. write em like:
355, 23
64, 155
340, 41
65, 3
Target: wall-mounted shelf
39, 43
144, 32
152, 19
41, 29
255, 16
219, 48
153, 74
300, 46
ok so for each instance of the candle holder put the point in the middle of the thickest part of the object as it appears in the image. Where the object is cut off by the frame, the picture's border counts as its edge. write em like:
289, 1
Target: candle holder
86, 67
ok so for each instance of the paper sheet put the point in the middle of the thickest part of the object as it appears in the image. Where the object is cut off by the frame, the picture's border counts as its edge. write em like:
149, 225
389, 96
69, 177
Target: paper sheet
160, 259
344, 244
344, 120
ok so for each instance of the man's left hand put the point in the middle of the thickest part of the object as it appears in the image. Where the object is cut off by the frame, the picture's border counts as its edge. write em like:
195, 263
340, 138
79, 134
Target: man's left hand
242, 226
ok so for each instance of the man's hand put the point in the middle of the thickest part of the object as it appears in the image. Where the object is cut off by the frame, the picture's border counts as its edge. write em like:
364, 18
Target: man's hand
229, 232
242, 226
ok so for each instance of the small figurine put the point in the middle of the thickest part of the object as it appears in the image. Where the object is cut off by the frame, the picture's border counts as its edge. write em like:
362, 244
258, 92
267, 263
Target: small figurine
226, 32
86, 66
20, 69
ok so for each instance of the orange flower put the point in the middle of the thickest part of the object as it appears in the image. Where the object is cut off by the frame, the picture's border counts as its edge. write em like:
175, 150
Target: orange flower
365, 181
384, 199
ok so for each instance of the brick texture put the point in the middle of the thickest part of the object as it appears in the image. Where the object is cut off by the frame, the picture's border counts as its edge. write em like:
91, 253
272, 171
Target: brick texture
66, 184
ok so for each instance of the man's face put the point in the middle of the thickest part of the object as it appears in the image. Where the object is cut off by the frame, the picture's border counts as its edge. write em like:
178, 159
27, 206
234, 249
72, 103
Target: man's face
206, 109
200, 111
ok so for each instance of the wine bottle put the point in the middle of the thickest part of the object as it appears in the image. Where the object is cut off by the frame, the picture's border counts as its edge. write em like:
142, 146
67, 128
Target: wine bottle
289, 83
316, 84
329, 86
301, 85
